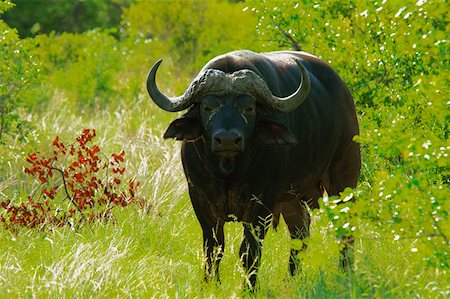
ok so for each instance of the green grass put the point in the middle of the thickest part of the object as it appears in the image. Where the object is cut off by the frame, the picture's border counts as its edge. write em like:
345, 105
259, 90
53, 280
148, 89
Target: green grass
155, 251
151, 255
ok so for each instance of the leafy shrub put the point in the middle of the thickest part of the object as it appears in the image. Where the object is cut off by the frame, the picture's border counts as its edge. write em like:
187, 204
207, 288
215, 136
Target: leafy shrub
191, 31
81, 66
35, 17
397, 73
72, 188
389, 55
19, 71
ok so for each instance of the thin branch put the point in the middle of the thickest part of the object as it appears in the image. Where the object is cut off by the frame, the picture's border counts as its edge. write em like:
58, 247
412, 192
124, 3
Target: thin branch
439, 230
67, 191
295, 44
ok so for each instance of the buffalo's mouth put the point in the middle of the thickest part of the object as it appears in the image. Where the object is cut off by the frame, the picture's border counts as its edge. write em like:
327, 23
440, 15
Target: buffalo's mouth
227, 165
227, 160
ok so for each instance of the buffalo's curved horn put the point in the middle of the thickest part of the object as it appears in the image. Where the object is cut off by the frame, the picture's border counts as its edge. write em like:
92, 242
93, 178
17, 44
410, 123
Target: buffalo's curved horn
294, 100
248, 81
171, 104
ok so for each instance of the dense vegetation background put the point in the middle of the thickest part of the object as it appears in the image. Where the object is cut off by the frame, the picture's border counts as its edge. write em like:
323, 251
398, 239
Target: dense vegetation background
71, 65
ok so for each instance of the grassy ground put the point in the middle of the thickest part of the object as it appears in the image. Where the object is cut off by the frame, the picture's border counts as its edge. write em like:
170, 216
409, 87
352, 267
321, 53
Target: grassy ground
155, 251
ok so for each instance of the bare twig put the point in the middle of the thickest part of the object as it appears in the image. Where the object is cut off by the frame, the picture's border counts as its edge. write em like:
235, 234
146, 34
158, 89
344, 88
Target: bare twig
439, 230
295, 44
67, 191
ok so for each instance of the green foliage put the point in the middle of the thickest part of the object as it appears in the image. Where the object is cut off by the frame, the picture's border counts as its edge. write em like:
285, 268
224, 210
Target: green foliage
82, 66
74, 16
394, 57
192, 31
5, 6
389, 55
19, 70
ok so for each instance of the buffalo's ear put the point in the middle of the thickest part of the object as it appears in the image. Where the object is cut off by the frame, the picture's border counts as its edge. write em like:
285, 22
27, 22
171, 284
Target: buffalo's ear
270, 132
184, 128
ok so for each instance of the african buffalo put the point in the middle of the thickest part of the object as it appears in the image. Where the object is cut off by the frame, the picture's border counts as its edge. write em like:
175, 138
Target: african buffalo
265, 134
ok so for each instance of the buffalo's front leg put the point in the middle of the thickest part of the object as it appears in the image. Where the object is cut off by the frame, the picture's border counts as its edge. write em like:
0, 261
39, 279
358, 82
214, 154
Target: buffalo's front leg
213, 242
250, 251
213, 236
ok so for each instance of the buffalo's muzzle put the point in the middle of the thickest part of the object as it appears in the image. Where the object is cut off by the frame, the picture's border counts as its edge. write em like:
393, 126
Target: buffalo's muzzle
227, 143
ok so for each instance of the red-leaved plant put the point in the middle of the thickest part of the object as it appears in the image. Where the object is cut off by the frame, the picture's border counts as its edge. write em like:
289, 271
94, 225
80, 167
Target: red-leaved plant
78, 184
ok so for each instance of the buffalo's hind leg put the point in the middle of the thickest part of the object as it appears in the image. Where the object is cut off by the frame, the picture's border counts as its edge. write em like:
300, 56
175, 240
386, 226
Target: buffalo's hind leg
297, 218
344, 172
346, 259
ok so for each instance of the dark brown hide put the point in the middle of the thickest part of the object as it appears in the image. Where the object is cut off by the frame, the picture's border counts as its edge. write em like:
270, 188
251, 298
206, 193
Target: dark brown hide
288, 160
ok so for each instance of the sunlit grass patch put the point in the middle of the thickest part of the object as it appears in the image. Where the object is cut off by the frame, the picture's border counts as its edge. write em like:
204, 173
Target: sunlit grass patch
154, 248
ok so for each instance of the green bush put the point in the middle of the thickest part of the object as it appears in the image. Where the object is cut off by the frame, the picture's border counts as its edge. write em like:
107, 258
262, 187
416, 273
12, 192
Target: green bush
191, 31
394, 57
19, 71
75, 16
83, 67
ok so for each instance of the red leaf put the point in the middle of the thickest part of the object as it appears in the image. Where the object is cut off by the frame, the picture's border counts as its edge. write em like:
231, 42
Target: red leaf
50, 194
119, 157
42, 178
78, 177
56, 142
95, 150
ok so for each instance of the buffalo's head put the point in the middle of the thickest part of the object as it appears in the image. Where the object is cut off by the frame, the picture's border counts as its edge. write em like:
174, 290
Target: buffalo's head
227, 110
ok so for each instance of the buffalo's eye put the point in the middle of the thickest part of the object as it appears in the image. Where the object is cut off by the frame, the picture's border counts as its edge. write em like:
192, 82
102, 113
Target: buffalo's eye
246, 104
208, 109
210, 104
249, 109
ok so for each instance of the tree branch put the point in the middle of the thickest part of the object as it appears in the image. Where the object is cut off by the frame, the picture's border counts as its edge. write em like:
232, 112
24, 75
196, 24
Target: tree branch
67, 191
295, 44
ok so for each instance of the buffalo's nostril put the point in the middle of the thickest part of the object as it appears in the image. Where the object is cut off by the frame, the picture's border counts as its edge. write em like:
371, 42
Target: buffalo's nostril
228, 141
